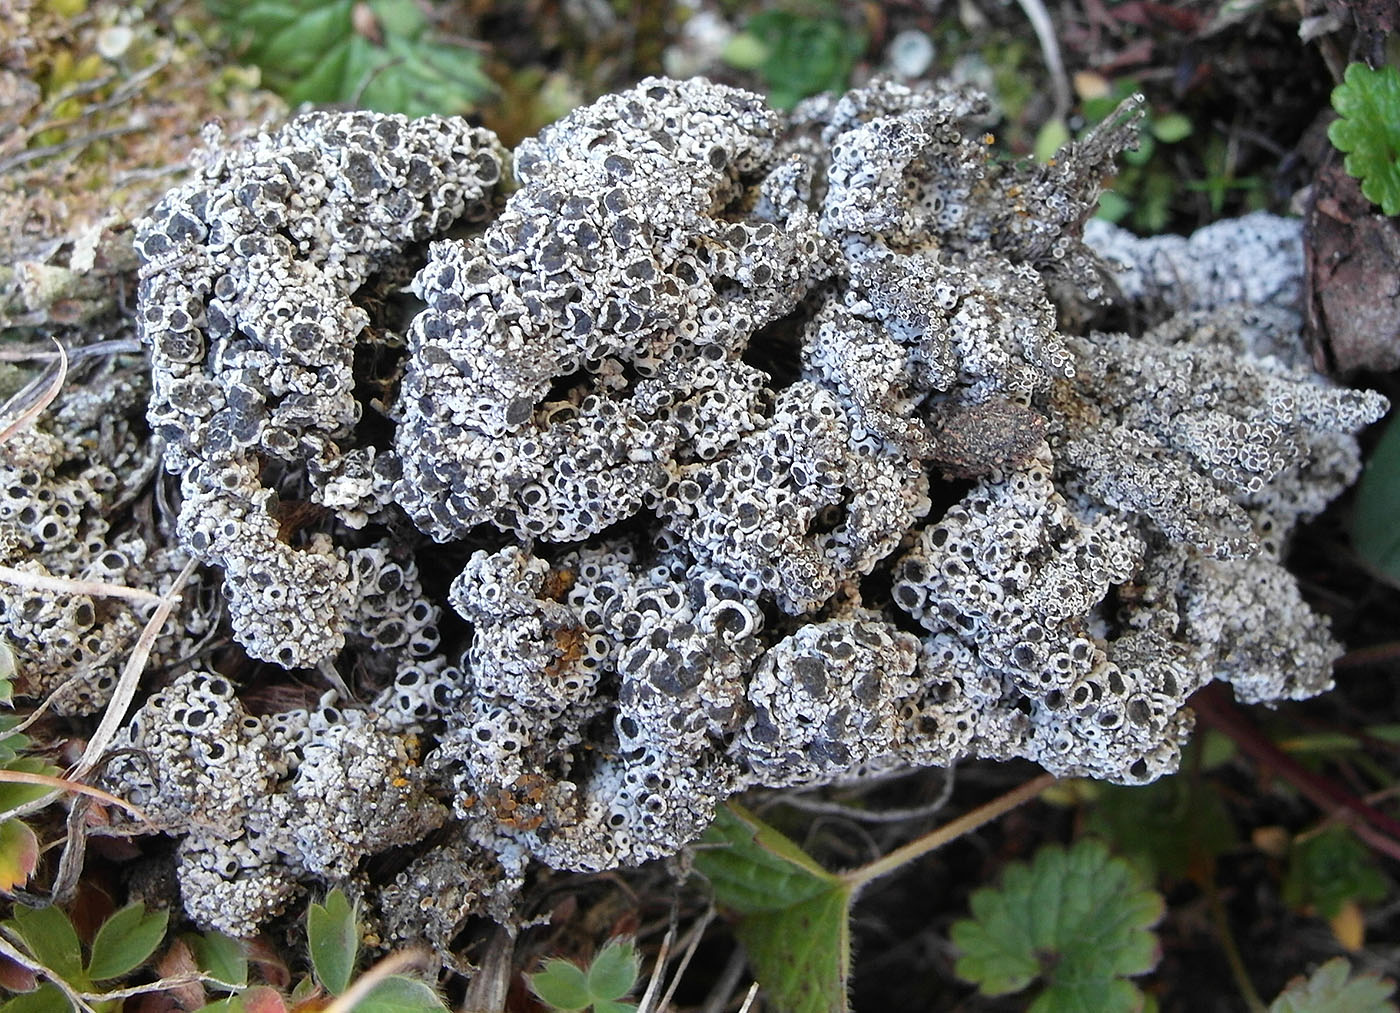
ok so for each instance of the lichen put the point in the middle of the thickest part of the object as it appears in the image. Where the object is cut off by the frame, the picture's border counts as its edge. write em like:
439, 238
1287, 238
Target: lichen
747, 450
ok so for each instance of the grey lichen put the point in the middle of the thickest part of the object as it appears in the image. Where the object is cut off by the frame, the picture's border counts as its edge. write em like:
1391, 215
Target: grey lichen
65, 483
759, 459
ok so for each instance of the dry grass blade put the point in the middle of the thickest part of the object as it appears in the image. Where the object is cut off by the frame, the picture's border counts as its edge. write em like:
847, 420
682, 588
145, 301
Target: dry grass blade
63, 585
1044, 30
748, 999
394, 963
697, 933
63, 784
122, 696
657, 970
28, 415
115, 713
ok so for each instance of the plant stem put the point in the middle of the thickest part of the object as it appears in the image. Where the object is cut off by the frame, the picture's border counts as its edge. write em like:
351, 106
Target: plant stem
857, 879
1375, 828
1232, 952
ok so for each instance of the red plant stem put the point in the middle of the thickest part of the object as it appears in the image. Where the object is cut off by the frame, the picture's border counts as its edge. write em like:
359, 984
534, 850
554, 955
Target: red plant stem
1379, 831
1375, 654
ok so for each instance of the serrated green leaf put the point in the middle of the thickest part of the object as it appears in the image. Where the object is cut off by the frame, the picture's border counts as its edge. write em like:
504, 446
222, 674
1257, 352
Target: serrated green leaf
1373, 529
1079, 920
220, 956
801, 954
1329, 869
1332, 989
51, 939
401, 18
802, 55
45, 999
1050, 138
313, 51
795, 914
397, 994
333, 937
614, 970
256, 19
1368, 102
327, 77
561, 984
125, 940
298, 45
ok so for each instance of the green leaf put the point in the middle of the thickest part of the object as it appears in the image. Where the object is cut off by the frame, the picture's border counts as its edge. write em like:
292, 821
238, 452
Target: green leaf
1373, 529
744, 52
19, 854
1332, 989
561, 984
801, 954
125, 940
1329, 869
802, 55
613, 1006
1172, 128
613, 971
794, 920
50, 938
12, 794
1113, 206
1051, 137
1142, 153
220, 956
1078, 920
401, 18
45, 999
7, 673
333, 937
1175, 826
316, 51
1368, 102
397, 994
10, 744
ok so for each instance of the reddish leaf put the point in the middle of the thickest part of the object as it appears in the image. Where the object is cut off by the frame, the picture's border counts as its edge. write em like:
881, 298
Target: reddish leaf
179, 960
14, 978
263, 1000
19, 854
269, 963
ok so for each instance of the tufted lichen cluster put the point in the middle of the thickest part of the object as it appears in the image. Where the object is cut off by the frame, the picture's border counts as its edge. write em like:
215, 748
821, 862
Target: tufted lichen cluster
746, 448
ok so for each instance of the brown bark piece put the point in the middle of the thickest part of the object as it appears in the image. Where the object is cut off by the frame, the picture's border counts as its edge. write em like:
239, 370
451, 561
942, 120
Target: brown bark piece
1352, 284
973, 440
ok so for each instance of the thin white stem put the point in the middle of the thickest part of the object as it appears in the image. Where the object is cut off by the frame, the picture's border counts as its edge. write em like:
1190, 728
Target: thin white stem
1044, 30
30, 964
65, 585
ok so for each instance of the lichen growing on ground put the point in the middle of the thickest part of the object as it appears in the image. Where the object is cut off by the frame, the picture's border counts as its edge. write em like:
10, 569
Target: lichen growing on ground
746, 449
